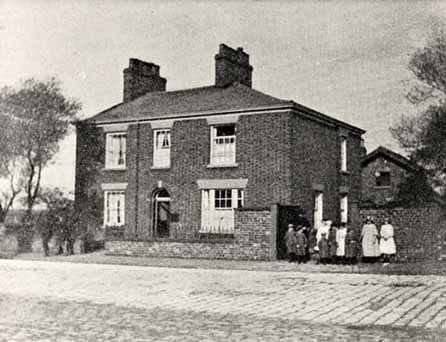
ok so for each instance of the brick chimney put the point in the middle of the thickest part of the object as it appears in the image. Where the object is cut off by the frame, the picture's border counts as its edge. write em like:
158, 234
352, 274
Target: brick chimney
232, 66
141, 78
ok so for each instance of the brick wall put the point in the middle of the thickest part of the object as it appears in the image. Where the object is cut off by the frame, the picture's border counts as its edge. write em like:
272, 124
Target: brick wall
316, 159
420, 233
381, 195
251, 241
262, 156
281, 155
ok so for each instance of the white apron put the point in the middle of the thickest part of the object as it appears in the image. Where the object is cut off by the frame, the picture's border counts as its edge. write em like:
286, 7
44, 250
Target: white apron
387, 243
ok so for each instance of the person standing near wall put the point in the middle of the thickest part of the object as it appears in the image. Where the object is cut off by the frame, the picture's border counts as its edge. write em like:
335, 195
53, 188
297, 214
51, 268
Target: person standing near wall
324, 254
332, 242
312, 244
291, 243
350, 247
340, 241
301, 244
369, 239
387, 245
303, 221
323, 228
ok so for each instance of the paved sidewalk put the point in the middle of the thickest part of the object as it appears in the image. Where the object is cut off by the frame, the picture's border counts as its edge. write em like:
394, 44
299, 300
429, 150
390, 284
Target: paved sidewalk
419, 268
347, 299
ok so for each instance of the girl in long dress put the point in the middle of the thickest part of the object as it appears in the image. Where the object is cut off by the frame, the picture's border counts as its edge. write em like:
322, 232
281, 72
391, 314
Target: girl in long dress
387, 245
340, 242
369, 240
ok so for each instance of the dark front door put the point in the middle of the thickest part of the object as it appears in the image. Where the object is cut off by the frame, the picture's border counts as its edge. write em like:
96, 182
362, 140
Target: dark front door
162, 218
161, 213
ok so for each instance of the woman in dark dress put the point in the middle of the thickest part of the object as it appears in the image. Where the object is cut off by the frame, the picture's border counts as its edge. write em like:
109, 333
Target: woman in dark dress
312, 243
323, 249
291, 243
351, 247
301, 245
332, 242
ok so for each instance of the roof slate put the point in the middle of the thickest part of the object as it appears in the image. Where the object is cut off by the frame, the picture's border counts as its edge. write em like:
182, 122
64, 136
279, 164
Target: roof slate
390, 155
176, 103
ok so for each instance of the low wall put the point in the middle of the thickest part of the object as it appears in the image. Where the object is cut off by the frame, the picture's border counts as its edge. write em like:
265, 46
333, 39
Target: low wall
252, 240
420, 233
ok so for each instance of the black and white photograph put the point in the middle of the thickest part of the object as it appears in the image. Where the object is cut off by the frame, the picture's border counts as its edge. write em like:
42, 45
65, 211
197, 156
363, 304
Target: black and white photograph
222, 170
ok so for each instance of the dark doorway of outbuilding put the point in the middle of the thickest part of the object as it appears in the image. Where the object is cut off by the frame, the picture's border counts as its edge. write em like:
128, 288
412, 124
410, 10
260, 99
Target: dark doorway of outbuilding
287, 214
161, 213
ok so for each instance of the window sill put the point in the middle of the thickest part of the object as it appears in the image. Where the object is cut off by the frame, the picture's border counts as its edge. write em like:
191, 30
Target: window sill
114, 169
215, 166
160, 168
210, 235
383, 187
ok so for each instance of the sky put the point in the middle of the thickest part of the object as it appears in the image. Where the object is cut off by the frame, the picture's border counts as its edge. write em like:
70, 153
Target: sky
347, 59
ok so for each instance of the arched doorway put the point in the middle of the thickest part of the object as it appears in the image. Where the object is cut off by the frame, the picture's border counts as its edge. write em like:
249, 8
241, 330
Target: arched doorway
161, 213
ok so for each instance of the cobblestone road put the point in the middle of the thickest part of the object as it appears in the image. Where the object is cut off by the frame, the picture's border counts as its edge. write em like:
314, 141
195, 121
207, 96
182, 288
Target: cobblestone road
73, 302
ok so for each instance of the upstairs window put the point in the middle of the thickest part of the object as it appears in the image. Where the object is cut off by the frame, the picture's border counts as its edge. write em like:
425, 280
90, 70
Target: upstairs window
115, 150
161, 148
223, 145
382, 178
344, 154
114, 208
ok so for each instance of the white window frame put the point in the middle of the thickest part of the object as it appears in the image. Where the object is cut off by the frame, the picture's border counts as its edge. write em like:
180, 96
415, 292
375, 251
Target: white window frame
109, 220
216, 218
344, 208
112, 158
223, 148
344, 154
223, 199
161, 154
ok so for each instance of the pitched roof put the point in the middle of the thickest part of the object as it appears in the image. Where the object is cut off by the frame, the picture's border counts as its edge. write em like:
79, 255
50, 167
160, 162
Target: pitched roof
398, 159
175, 103
201, 101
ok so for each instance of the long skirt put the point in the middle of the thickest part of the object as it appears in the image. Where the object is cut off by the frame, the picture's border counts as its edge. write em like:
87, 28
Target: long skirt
387, 246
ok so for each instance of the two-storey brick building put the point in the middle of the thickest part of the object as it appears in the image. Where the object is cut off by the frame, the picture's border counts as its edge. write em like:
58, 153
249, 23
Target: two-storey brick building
164, 164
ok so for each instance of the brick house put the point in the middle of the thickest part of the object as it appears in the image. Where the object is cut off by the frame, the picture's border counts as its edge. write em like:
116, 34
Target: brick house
382, 172
180, 165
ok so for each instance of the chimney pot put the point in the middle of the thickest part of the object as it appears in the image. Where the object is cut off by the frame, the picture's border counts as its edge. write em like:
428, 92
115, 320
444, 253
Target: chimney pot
140, 78
232, 66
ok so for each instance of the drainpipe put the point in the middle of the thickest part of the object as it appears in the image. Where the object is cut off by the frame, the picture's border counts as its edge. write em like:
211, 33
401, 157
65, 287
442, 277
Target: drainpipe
137, 179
